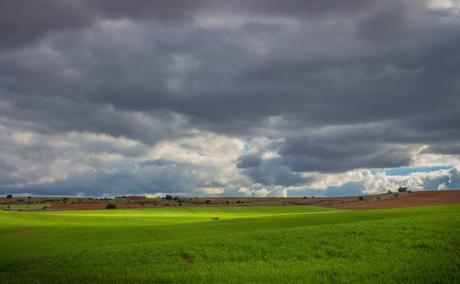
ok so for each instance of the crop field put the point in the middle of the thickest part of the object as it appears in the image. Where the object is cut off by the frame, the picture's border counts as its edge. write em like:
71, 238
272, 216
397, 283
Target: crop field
246, 244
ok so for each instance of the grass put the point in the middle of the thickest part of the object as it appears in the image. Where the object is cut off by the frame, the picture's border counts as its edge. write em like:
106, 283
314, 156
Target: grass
284, 244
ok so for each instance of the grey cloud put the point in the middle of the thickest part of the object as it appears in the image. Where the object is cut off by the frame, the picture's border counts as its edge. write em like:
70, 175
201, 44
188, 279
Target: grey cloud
248, 161
24, 22
161, 70
272, 172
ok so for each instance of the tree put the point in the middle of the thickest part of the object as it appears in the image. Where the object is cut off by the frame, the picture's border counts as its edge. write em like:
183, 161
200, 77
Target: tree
169, 197
110, 206
9, 196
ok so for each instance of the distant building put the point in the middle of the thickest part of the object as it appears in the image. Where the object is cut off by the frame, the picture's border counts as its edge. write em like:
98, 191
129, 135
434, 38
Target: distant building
402, 189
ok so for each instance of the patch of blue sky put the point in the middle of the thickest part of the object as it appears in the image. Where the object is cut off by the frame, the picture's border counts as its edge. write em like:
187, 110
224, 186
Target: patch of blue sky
246, 148
404, 171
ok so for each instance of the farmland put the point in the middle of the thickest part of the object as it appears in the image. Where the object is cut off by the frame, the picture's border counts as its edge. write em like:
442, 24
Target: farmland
232, 244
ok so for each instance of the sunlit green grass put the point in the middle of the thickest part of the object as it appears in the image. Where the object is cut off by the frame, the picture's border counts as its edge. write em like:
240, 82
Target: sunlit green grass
284, 244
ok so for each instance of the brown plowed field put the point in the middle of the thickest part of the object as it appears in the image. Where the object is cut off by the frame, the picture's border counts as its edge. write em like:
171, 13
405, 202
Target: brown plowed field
396, 200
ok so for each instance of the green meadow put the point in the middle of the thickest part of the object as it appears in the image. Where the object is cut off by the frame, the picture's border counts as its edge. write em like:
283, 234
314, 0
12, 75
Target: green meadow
283, 244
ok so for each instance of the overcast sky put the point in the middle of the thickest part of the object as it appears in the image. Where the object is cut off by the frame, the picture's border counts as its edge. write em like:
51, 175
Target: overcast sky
226, 98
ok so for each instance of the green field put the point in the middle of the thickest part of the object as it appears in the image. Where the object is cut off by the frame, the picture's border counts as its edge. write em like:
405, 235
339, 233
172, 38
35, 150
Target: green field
284, 244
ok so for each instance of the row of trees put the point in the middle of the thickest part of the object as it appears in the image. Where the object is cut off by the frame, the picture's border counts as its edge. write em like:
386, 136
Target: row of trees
170, 197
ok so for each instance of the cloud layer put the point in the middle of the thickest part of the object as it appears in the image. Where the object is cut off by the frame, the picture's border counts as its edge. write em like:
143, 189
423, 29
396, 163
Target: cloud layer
228, 98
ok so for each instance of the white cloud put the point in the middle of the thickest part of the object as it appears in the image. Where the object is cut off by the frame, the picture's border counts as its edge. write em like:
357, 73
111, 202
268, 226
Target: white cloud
211, 190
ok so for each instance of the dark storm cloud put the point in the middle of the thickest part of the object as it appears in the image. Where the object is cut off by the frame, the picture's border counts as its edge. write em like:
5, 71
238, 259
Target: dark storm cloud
248, 161
345, 84
335, 157
273, 172
22, 22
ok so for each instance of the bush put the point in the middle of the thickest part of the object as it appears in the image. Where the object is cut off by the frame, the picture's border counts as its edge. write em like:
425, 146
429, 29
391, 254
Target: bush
177, 198
9, 196
169, 197
207, 201
361, 198
227, 202
110, 206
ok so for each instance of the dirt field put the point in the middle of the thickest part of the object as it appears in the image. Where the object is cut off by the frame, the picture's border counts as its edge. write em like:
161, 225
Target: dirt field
397, 200
387, 200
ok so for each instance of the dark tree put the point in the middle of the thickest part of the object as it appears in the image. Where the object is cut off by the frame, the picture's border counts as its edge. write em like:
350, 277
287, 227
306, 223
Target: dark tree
110, 206
9, 196
169, 197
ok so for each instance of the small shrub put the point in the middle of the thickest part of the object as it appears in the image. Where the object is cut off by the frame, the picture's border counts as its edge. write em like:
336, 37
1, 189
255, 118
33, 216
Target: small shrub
396, 195
361, 198
110, 206
389, 191
227, 202
169, 197
9, 196
166, 204
208, 201
45, 207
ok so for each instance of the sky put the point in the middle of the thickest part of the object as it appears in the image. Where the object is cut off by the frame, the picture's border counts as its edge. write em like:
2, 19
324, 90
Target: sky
229, 98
